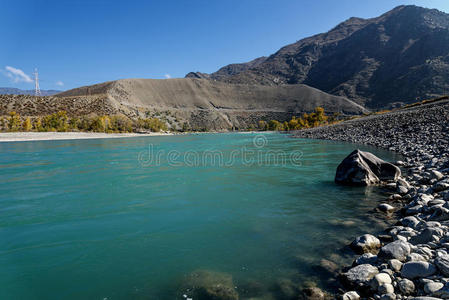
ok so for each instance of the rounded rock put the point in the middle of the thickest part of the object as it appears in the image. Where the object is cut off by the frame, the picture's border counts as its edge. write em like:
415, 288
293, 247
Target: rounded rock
380, 279
390, 296
384, 207
442, 263
365, 243
361, 275
424, 298
417, 269
436, 175
366, 258
386, 288
352, 295
395, 250
406, 286
395, 265
432, 287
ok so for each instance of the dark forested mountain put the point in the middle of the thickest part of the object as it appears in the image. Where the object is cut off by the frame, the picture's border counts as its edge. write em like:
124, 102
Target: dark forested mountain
397, 57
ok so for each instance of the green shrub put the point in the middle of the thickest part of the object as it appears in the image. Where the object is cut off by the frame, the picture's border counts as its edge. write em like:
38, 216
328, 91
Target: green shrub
120, 124
153, 124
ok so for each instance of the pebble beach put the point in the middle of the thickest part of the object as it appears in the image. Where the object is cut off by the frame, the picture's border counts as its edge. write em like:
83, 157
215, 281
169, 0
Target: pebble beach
409, 260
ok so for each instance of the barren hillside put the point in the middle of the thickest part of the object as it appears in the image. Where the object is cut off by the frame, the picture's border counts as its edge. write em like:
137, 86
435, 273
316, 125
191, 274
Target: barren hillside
211, 104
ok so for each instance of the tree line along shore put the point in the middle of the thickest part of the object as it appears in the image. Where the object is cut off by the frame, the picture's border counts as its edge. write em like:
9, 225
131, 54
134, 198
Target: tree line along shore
62, 122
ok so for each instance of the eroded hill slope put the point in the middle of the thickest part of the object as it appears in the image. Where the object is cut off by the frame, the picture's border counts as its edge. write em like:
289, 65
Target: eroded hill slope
211, 104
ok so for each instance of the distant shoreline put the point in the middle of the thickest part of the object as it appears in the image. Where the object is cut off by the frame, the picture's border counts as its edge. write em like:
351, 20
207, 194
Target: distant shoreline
50, 136
27, 136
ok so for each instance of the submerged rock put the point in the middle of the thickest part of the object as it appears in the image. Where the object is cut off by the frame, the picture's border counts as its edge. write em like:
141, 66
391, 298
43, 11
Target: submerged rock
328, 266
364, 168
250, 288
206, 285
287, 289
313, 293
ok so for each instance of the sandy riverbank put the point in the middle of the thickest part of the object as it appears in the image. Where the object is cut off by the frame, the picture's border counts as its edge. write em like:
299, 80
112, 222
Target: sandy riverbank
43, 136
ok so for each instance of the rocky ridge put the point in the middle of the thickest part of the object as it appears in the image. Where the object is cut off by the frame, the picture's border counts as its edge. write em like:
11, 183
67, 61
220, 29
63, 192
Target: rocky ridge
396, 57
410, 260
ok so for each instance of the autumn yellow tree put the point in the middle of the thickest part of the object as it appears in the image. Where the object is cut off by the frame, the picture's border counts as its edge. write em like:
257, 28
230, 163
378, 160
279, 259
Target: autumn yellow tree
14, 121
275, 125
3, 124
27, 126
263, 125
321, 118
62, 121
293, 123
38, 124
305, 121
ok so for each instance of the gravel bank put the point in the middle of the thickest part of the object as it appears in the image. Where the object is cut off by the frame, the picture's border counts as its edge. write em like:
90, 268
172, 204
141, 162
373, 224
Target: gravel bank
411, 259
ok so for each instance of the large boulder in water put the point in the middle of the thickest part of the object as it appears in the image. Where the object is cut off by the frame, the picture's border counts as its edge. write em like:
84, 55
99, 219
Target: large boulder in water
207, 285
364, 168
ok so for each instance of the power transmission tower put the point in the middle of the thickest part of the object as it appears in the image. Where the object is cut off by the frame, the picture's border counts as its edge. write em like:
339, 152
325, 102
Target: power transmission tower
37, 90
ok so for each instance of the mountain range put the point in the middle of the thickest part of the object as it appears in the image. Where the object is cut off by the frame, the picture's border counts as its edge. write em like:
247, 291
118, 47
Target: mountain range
400, 56
15, 91
360, 65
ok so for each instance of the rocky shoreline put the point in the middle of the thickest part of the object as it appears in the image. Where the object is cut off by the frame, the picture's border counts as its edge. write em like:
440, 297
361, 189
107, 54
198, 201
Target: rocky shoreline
410, 260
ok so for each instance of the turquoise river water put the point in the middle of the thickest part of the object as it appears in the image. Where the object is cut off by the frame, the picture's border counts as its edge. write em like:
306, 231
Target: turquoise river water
129, 218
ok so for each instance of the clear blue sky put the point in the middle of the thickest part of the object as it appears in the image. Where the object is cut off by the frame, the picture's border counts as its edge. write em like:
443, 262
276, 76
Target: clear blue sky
82, 42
